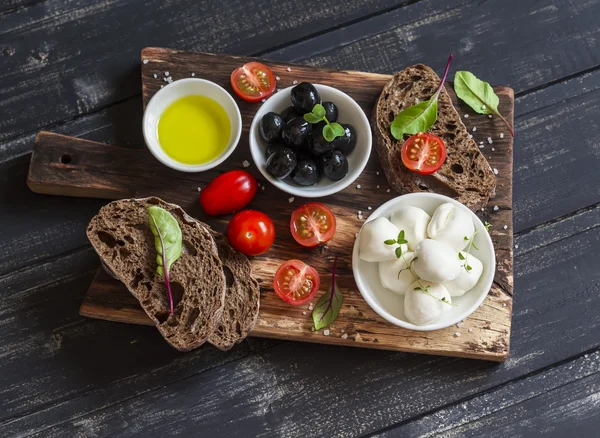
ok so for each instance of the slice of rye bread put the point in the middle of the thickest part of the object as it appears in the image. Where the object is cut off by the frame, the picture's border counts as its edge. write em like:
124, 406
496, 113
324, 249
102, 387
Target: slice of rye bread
465, 175
120, 233
242, 297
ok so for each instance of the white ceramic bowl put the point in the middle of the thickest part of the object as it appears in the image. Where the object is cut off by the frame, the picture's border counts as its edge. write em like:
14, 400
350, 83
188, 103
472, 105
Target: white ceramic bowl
389, 305
176, 90
349, 112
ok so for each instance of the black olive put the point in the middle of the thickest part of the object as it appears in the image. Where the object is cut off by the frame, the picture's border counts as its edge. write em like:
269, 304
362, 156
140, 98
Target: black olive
334, 165
347, 142
306, 172
288, 114
272, 148
281, 163
331, 111
304, 97
296, 131
270, 127
317, 145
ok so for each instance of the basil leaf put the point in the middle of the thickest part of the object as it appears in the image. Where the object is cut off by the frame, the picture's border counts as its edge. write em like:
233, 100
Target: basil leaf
338, 129
319, 111
328, 133
390, 242
478, 94
460, 256
415, 119
311, 118
167, 241
328, 307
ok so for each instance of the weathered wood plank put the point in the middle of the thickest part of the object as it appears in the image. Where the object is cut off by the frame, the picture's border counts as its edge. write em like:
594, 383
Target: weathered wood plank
262, 394
555, 402
63, 62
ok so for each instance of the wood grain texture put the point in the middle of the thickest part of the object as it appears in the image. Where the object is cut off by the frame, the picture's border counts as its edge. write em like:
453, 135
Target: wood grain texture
135, 173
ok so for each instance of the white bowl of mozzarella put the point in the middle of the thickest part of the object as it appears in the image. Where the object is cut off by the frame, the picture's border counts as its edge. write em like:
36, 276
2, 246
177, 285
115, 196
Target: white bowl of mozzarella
439, 277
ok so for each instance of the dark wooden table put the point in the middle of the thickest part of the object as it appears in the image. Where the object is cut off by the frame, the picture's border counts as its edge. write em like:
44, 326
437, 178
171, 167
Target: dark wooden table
72, 66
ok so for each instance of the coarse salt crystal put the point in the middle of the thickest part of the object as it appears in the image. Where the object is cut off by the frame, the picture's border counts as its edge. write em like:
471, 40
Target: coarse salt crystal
360, 216
376, 173
457, 334
193, 74
263, 100
481, 146
493, 149
505, 227
345, 336
246, 163
155, 75
359, 212
482, 208
355, 235
288, 69
516, 246
489, 116
470, 135
496, 208
326, 332
466, 116
277, 78
489, 140
459, 325
502, 135
503, 304
474, 128
388, 190
166, 73
470, 329
310, 306
161, 86
165, 79
170, 80
304, 313
369, 208
495, 171
199, 189
294, 82
262, 188
291, 199
377, 186
358, 186
145, 61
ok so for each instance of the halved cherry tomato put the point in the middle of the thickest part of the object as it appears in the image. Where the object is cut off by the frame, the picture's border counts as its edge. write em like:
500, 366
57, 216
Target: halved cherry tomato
296, 282
424, 153
229, 192
312, 224
251, 232
253, 81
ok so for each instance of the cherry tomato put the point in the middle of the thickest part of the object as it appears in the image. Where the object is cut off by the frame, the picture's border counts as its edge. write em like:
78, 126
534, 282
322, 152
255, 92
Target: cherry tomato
424, 153
296, 282
312, 224
228, 192
251, 232
253, 81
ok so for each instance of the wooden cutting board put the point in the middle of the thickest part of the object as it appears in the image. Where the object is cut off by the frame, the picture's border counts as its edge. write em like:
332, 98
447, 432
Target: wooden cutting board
74, 167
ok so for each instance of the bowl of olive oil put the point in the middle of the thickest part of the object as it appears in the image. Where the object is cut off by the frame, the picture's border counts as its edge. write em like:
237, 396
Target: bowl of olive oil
192, 125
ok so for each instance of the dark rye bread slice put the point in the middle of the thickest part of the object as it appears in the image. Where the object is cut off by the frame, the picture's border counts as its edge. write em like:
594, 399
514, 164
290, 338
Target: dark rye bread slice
465, 175
242, 297
120, 234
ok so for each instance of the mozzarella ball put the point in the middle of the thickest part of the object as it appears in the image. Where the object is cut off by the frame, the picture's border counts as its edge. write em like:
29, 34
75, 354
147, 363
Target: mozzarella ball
450, 225
391, 277
436, 262
466, 280
414, 222
372, 246
421, 308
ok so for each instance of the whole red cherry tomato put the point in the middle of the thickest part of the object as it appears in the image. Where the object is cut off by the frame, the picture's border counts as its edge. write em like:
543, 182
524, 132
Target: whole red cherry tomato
228, 192
251, 232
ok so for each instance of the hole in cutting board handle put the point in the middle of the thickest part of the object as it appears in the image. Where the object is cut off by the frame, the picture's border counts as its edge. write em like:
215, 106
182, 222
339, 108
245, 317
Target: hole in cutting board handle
65, 159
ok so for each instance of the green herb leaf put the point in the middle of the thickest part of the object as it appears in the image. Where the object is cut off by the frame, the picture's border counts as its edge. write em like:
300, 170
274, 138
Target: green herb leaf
401, 235
419, 117
478, 94
460, 256
468, 267
390, 242
167, 241
418, 288
338, 129
319, 111
311, 118
398, 252
474, 246
402, 241
328, 133
465, 238
328, 307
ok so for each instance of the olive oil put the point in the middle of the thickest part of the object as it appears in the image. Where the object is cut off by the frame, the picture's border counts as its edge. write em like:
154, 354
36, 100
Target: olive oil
194, 130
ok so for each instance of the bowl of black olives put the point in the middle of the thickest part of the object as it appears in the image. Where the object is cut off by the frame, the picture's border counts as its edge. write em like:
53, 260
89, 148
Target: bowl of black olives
310, 140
